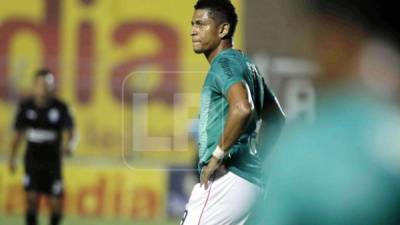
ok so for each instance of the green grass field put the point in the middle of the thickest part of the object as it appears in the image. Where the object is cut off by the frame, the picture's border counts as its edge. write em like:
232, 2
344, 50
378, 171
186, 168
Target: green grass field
19, 220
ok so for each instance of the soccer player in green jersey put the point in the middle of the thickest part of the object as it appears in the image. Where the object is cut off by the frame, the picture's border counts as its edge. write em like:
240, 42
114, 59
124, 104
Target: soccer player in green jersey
235, 105
344, 168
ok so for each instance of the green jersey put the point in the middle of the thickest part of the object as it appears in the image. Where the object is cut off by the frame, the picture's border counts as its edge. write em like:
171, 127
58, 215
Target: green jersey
227, 68
341, 169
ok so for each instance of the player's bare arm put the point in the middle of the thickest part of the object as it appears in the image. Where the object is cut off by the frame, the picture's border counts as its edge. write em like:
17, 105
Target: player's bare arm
69, 142
15, 143
238, 114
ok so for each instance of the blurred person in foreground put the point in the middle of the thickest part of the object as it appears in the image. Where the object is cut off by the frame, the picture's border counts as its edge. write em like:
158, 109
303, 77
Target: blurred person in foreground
344, 169
234, 102
45, 122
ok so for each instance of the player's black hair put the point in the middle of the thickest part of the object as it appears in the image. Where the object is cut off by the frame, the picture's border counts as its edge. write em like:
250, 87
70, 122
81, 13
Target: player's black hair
222, 11
42, 73
47, 75
360, 12
375, 17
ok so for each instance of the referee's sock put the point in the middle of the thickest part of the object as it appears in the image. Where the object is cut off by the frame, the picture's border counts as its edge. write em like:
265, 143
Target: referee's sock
55, 218
31, 217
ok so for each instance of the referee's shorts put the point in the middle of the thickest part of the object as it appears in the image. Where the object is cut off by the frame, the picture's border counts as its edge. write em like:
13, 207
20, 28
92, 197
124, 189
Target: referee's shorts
44, 182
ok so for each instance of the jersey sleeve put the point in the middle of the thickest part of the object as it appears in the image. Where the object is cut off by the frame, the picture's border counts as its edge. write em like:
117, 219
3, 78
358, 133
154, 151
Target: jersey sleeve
19, 119
226, 72
68, 120
269, 96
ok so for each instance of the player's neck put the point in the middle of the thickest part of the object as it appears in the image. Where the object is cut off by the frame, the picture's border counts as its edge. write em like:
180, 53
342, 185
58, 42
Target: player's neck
225, 44
41, 102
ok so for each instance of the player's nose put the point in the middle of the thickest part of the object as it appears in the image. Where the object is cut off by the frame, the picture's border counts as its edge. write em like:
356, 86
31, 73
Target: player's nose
193, 31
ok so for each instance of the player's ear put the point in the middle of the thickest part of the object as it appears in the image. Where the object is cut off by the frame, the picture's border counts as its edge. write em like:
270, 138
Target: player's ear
224, 30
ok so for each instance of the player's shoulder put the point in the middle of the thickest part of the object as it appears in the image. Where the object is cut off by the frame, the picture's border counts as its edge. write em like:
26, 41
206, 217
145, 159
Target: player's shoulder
25, 102
230, 56
230, 60
59, 103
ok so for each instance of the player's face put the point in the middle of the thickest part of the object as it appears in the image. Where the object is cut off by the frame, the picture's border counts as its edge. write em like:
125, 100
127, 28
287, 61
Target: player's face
43, 86
204, 34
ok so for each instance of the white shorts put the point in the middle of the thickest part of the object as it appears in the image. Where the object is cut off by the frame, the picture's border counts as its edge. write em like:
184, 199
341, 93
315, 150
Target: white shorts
229, 200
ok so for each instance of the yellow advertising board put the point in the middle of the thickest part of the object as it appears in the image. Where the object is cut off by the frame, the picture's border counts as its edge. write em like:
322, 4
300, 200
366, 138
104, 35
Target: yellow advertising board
102, 51
96, 192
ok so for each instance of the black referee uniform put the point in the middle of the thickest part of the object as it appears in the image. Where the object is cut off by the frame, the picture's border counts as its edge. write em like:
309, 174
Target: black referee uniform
43, 128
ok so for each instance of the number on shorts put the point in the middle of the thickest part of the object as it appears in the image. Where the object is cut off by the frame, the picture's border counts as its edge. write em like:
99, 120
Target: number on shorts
184, 217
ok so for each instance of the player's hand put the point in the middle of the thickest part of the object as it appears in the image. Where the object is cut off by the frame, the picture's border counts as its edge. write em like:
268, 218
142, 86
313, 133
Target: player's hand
12, 165
208, 171
67, 152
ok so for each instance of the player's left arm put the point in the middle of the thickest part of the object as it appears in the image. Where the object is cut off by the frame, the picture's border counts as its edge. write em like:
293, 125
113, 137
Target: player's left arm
69, 133
238, 114
68, 143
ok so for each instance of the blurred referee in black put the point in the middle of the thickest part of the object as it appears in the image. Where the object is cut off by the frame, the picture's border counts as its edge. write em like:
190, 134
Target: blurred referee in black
45, 122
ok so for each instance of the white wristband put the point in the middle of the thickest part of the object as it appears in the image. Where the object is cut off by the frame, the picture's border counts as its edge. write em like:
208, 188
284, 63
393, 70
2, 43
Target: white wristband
218, 153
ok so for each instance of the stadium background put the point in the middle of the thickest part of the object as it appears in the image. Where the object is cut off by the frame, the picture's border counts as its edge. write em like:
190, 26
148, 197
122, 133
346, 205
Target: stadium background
127, 69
